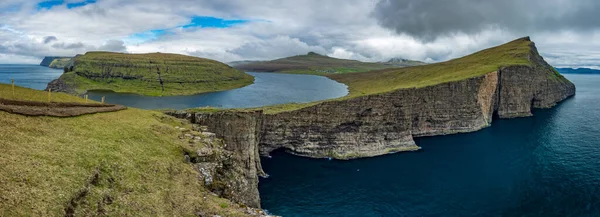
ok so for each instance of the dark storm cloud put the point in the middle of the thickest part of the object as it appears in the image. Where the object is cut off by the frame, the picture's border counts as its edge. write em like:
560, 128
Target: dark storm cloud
114, 45
428, 19
49, 39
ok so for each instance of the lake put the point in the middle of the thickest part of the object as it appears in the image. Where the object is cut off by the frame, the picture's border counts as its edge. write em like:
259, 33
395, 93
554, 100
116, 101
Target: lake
546, 165
268, 89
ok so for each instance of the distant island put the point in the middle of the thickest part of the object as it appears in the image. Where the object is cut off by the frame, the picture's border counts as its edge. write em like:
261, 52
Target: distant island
578, 71
314, 63
56, 62
152, 74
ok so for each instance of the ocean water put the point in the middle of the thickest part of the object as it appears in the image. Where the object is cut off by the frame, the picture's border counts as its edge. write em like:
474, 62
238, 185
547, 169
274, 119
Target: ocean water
268, 89
546, 165
31, 76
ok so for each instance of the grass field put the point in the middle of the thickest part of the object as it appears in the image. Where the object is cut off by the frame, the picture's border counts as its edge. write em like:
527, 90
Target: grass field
154, 74
125, 163
314, 64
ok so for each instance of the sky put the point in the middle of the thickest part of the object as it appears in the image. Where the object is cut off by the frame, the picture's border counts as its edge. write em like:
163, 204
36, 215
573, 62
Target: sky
566, 32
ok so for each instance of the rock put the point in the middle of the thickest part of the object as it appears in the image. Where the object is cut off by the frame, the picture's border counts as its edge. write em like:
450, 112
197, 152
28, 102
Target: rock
207, 171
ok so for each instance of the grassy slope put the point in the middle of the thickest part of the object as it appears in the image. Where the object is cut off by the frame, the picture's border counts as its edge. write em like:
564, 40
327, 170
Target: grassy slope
312, 63
480, 63
46, 162
137, 73
60, 63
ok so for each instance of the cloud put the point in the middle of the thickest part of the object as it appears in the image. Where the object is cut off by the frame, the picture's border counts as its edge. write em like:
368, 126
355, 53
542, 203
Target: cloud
229, 30
113, 45
429, 19
49, 39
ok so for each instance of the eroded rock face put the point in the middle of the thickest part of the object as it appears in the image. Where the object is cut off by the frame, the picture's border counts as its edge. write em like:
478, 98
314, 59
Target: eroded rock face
379, 124
241, 134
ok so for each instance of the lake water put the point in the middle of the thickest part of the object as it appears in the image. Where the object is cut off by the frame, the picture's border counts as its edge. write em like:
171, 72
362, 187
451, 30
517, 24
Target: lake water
268, 89
31, 76
546, 165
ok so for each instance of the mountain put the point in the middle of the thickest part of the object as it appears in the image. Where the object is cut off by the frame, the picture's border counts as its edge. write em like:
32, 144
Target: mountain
578, 71
312, 63
154, 74
400, 62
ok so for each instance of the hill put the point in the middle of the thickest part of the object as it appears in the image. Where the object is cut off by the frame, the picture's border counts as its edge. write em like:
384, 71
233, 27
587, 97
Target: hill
123, 163
154, 74
400, 62
313, 63
578, 71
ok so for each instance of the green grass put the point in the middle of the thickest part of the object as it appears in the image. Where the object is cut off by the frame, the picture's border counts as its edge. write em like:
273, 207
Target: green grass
126, 163
312, 63
137, 73
60, 63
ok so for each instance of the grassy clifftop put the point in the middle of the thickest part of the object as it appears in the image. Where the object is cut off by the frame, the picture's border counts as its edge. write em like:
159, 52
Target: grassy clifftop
155, 74
516, 52
313, 63
126, 163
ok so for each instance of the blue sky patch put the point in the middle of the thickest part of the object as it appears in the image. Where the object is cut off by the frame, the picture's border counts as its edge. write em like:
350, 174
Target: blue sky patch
51, 3
142, 37
212, 22
196, 22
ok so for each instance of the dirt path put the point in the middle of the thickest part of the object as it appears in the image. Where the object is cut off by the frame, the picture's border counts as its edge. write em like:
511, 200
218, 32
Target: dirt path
55, 109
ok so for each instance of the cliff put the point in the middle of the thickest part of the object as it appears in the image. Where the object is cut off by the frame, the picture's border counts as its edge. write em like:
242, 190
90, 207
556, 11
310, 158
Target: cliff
507, 81
154, 74
55, 62
130, 162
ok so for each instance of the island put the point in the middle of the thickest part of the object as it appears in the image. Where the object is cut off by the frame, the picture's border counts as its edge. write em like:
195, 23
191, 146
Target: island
317, 64
152, 74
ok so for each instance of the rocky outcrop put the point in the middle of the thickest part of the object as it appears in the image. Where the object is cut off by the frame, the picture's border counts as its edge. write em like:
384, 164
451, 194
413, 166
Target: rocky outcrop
59, 85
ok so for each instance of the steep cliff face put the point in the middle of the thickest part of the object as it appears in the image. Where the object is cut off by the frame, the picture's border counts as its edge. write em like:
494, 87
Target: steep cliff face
380, 124
241, 134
